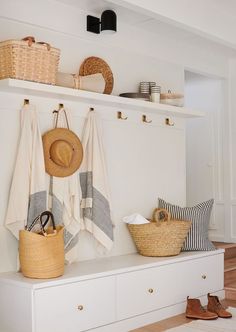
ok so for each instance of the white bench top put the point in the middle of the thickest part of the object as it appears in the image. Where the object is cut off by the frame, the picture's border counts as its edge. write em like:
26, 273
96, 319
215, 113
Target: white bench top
103, 267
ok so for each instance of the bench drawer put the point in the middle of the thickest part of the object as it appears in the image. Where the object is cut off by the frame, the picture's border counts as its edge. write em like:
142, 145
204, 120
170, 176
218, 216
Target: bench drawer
75, 307
150, 289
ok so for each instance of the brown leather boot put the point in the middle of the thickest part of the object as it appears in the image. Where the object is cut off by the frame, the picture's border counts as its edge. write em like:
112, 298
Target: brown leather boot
194, 309
215, 306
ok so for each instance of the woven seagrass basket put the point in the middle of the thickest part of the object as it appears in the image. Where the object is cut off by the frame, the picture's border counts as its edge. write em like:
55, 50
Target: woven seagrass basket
160, 237
42, 256
27, 60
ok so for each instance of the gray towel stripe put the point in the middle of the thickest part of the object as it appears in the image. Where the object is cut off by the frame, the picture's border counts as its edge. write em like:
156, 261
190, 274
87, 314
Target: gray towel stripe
37, 204
71, 243
57, 210
68, 239
86, 182
100, 211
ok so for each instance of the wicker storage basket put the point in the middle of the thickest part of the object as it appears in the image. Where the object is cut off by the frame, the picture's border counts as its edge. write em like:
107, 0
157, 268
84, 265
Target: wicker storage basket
42, 256
26, 60
160, 238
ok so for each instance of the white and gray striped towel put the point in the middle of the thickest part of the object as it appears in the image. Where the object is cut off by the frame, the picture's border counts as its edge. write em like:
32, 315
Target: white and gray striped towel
27, 194
95, 203
64, 202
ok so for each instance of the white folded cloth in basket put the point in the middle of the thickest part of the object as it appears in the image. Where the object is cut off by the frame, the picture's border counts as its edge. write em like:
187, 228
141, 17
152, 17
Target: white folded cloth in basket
135, 219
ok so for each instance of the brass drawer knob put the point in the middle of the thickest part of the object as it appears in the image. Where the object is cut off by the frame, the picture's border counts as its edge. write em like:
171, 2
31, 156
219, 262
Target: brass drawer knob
150, 290
204, 276
80, 307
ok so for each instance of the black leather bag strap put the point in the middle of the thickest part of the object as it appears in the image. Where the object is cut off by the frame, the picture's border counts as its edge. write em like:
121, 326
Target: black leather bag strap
49, 217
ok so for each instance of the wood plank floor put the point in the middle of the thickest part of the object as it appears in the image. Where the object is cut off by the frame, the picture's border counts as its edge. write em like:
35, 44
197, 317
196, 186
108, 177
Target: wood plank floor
174, 321
230, 264
224, 245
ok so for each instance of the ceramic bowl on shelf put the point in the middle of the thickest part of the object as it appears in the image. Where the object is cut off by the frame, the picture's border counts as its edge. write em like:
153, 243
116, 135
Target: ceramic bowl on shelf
173, 102
135, 95
173, 99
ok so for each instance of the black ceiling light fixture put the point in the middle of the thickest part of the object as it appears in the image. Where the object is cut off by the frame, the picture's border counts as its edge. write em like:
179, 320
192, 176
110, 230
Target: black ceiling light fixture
106, 25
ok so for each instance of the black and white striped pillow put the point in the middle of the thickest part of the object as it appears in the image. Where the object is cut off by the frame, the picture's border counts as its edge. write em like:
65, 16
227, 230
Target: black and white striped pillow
197, 238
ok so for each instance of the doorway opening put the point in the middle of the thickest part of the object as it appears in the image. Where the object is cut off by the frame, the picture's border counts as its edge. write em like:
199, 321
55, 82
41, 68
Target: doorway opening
204, 148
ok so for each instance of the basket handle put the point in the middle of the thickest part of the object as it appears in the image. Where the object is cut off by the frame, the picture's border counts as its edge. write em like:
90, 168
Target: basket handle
46, 44
30, 40
49, 216
161, 215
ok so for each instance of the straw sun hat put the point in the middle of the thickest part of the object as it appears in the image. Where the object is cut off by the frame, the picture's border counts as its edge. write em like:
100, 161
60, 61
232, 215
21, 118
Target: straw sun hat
63, 152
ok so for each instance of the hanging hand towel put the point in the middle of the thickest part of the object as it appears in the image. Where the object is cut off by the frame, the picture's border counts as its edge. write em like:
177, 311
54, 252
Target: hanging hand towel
95, 203
27, 195
64, 201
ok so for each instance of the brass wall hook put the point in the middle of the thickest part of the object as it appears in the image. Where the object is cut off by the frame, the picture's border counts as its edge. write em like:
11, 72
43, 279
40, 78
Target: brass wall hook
121, 117
168, 122
60, 107
144, 119
26, 101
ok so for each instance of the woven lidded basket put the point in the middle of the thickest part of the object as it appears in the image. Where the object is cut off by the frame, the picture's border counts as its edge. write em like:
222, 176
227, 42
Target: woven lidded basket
42, 256
27, 60
160, 237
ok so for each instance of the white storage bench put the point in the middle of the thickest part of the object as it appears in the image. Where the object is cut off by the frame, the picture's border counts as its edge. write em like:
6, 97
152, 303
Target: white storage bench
114, 294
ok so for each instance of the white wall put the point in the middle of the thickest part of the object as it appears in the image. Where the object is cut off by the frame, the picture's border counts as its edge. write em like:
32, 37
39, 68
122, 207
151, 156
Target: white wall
144, 161
211, 157
134, 153
231, 154
204, 148
65, 26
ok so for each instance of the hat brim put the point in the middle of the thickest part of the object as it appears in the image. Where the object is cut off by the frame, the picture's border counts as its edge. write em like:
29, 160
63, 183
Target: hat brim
67, 135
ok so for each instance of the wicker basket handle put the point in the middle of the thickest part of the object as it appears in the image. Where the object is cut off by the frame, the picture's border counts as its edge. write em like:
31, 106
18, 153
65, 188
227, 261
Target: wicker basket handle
49, 216
30, 40
161, 215
46, 44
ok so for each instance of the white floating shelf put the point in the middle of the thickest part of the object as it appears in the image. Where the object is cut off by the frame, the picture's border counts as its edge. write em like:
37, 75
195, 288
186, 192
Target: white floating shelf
92, 98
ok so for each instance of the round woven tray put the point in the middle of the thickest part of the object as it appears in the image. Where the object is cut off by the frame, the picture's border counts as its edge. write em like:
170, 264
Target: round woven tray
94, 65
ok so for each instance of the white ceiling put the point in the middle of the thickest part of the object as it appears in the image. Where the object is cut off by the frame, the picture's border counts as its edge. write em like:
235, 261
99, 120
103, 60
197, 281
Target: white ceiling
90, 5
153, 25
98, 6
225, 6
181, 34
